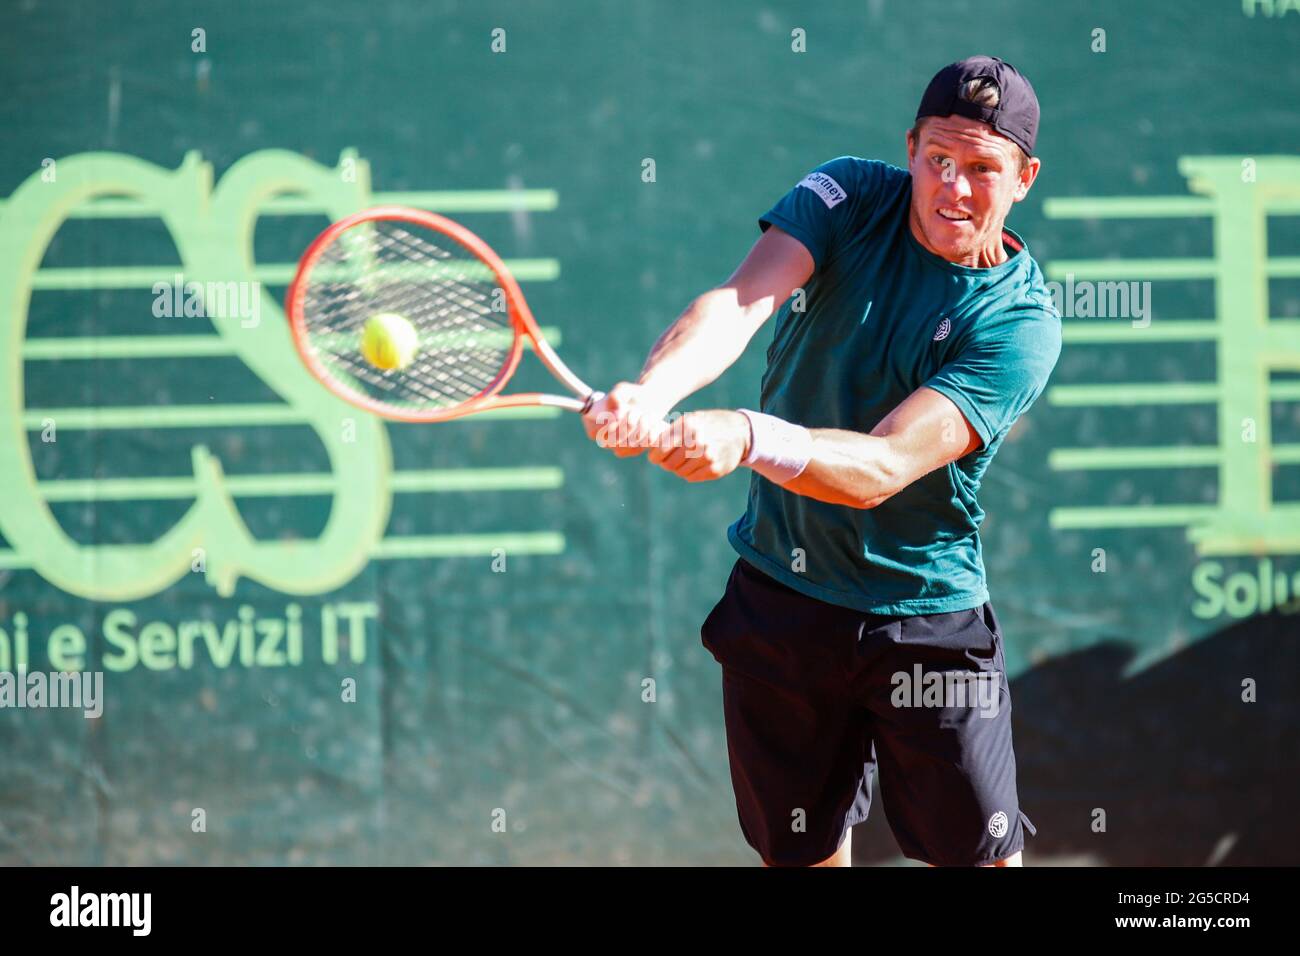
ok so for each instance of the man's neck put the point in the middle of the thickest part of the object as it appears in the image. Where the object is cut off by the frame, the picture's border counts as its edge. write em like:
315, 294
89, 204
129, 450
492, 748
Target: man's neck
987, 258
995, 256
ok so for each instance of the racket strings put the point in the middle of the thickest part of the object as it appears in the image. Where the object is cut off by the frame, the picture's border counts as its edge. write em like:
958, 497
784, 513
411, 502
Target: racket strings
465, 336
446, 306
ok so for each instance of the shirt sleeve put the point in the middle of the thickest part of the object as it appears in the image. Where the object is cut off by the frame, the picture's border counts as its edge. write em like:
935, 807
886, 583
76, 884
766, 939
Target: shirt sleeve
827, 204
1000, 373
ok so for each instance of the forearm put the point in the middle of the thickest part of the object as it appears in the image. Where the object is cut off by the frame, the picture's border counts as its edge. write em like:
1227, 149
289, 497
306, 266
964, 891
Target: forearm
703, 343
925, 432
849, 468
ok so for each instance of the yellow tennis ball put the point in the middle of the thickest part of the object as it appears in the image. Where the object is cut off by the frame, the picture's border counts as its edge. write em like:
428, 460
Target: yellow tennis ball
389, 341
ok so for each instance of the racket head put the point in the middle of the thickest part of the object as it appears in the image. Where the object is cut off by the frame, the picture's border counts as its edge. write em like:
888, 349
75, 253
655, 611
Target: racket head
469, 315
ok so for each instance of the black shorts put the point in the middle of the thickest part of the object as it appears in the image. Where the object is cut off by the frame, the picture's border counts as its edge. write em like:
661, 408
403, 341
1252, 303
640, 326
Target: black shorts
816, 695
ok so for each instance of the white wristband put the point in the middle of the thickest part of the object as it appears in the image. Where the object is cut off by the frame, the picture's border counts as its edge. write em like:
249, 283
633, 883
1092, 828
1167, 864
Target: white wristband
778, 450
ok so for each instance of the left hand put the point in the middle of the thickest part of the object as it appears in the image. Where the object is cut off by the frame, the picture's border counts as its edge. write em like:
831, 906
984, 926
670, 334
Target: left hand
703, 446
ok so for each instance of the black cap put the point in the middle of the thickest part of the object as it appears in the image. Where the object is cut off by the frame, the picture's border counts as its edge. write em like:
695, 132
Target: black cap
1015, 116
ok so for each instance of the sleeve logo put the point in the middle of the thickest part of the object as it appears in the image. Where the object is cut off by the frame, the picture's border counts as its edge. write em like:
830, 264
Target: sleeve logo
830, 192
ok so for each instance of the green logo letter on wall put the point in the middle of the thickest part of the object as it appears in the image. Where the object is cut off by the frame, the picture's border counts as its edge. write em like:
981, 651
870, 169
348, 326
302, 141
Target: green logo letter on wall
213, 231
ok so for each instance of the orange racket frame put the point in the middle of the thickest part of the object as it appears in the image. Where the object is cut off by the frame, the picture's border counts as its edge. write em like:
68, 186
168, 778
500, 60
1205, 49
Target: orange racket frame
521, 318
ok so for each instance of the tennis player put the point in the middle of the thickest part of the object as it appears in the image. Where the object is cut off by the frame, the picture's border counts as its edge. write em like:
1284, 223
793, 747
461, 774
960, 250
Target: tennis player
915, 330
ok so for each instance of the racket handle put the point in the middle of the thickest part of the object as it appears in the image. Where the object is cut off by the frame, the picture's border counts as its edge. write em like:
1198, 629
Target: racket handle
592, 399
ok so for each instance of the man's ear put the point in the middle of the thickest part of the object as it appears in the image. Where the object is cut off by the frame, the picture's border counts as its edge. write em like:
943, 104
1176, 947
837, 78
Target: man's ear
1027, 177
911, 146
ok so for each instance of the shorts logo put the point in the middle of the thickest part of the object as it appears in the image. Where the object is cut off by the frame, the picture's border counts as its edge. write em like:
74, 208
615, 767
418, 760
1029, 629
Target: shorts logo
998, 825
831, 192
942, 330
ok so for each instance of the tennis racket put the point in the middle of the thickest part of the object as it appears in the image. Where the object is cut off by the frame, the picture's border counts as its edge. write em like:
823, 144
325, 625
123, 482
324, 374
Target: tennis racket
470, 319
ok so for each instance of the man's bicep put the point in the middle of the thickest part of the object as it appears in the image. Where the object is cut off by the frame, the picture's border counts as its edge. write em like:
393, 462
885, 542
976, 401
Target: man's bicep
927, 431
777, 264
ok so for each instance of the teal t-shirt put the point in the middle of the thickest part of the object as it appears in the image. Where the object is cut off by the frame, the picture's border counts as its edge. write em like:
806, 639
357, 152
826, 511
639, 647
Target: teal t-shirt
882, 317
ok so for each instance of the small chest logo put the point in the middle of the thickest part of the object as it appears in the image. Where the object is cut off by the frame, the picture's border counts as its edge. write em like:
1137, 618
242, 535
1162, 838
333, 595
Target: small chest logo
942, 329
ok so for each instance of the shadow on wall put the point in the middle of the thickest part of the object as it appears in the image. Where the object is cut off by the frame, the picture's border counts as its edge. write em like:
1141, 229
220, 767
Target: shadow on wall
1187, 773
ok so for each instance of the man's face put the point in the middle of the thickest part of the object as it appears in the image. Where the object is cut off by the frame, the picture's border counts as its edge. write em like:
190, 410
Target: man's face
965, 178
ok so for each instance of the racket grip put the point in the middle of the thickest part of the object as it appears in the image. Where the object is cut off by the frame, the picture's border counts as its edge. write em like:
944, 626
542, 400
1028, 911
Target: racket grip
591, 400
